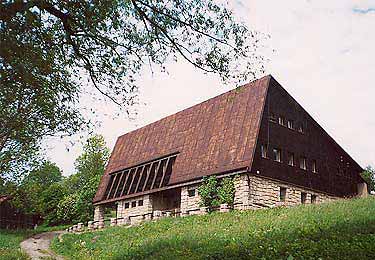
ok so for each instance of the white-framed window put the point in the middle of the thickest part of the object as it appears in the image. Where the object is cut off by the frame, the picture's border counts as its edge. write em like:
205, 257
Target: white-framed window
264, 151
302, 163
281, 120
291, 124
282, 194
291, 159
313, 167
191, 192
277, 154
301, 129
313, 198
134, 204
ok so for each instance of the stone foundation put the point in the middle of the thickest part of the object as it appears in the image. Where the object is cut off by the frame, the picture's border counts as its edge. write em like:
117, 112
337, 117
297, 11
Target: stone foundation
132, 210
190, 204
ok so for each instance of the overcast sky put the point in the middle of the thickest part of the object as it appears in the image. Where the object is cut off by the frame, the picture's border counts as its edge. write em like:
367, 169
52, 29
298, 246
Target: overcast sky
324, 57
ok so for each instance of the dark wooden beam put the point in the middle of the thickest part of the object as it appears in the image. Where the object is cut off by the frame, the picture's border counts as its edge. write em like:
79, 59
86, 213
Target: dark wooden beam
140, 177
131, 183
118, 185
147, 176
126, 180
110, 190
164, 170
156, 173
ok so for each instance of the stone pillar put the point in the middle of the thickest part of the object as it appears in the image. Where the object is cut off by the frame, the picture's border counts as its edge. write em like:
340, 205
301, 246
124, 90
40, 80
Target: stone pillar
203, 210
224, 208
90, 225
157, 214
101, 223
184, 213
242, 193
362, 190
148, 216
80, 227
98, 213
113, 222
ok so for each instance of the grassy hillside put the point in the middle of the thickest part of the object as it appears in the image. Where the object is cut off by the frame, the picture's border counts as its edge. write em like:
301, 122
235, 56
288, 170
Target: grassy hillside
10, 241
10, 244
339, 230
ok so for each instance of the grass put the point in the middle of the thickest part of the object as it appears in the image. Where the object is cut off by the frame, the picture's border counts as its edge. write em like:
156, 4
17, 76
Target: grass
340, 230
10, 241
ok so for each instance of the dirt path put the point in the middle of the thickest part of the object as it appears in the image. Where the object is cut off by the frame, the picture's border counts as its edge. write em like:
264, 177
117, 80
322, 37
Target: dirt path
37, 246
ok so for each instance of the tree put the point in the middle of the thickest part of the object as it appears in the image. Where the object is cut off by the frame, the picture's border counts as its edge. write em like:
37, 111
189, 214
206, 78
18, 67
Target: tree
90, 165
369, 176
49, 49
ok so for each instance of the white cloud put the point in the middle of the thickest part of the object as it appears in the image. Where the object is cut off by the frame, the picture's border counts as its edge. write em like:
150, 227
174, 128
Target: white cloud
324, 57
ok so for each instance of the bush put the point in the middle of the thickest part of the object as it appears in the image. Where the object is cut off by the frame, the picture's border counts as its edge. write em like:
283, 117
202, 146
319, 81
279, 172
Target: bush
226, 191
214, 192
208, 192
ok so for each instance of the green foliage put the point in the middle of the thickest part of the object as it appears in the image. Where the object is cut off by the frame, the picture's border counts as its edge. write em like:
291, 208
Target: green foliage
226, 191
51, 49
10, 244
59, 200
325, 231
77, 204
213, 192
208, 192
369, 176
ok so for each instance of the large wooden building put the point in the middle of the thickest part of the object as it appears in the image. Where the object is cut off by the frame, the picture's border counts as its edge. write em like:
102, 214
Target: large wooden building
257, 132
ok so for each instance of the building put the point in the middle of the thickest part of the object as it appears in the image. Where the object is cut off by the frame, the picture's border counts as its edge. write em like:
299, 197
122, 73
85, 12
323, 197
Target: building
258, 132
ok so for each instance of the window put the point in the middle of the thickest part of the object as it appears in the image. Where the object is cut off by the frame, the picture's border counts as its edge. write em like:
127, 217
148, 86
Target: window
302, 163
277, 155
273, 118
134, 204
313, 199
127, 205
291, 159
282, 194
313, 167
303, 197
281, 120
290, 124
300, 129
140, 202
191, 192
264, 151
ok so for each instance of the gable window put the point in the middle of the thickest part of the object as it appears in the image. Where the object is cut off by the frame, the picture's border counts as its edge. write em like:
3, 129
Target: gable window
191, 192
127, 205
303, 197
313, 199
277, 155
290, 124
313, 167
302, 163
300, 129
281, 120
140, 202
273, 118
282, 194
264, 149
134, 204
291, 159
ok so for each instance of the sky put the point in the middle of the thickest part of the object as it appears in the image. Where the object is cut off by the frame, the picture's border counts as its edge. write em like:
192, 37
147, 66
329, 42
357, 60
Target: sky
323, 54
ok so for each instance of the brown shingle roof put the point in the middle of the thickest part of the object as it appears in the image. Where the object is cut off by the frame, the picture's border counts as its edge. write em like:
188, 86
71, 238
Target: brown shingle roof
215, 136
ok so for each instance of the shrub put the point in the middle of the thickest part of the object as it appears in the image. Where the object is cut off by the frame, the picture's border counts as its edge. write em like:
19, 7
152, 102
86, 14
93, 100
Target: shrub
208, 192
226, 190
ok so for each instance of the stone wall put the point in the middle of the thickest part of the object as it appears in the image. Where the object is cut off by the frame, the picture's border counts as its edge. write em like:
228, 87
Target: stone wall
190, 203
256, 192
98, 213
134, 210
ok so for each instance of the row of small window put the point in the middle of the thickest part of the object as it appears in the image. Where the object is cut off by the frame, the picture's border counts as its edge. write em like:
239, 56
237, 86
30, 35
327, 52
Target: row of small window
313, 197
133, 204
287, 123
276, 156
